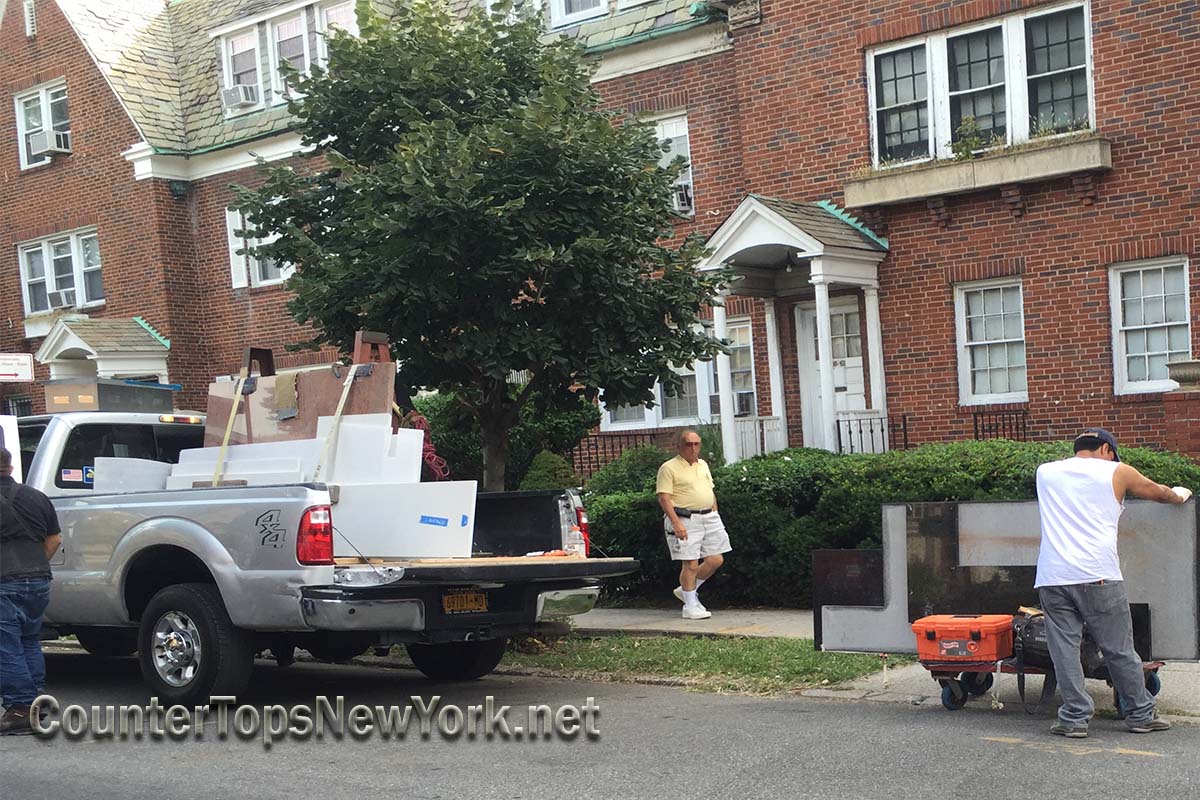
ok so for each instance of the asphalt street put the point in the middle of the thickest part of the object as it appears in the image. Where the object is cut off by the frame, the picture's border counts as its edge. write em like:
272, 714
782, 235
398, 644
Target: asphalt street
653, 742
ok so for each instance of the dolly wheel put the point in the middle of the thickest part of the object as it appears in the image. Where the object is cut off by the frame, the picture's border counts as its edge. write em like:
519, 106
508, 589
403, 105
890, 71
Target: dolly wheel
954, 695
977, 683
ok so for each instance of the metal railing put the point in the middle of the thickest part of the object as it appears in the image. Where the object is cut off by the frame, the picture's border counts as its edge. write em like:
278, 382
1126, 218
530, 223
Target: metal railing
871, 432
1001, 425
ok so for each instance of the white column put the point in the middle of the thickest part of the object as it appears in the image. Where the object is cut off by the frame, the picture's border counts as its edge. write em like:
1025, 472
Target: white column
725, 379
775, 366
875, 350
825, 353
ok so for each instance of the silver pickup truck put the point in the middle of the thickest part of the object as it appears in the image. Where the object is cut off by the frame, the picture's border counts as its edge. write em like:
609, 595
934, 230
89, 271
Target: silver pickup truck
200, 581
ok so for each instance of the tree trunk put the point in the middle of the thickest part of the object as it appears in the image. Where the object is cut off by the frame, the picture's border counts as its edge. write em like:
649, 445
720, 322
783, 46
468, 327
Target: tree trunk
495, 454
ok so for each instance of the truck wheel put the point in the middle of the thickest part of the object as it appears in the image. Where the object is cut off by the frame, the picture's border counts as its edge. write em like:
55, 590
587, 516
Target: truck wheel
335, 648
458, 661
108, 642
189, 649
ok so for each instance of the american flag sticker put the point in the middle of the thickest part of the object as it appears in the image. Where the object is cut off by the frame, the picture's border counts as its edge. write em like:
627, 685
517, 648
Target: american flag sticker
73, 475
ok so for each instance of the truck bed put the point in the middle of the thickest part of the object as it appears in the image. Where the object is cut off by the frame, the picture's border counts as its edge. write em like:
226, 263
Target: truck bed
499, 569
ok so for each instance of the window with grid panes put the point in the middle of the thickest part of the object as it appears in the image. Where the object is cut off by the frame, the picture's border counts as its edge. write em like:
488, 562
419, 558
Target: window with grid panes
1056, 62
1023, 76
1153, 322
902, 113
992, 327
243, 59
36, 111
619, 414
62, 263
976, 66
291, 47
673, 135
686, 403
741, 368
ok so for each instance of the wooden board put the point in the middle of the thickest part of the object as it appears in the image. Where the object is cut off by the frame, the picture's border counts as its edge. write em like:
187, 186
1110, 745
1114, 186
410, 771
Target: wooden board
493, 561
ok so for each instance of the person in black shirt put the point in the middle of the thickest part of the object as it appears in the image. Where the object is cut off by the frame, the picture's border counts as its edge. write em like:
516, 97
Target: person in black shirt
29, 536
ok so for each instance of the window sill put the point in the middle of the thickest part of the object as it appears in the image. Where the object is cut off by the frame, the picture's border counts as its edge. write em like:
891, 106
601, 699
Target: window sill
995, 402
1133, 393
1027, 163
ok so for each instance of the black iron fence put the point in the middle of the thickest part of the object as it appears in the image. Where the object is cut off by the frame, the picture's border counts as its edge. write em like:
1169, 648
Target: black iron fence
872, 434
1002, 425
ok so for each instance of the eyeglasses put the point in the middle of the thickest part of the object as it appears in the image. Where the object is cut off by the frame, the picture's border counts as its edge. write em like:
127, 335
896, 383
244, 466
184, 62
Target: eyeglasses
691, 444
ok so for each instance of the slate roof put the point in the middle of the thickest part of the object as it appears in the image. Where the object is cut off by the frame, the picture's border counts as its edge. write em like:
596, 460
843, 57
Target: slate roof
114, 335
165, 67
825, 222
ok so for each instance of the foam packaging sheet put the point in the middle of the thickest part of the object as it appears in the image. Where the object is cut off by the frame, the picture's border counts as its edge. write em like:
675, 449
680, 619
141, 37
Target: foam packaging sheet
412, 520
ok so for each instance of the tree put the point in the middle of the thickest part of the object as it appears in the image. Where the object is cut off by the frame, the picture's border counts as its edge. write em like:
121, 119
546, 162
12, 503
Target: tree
465, 194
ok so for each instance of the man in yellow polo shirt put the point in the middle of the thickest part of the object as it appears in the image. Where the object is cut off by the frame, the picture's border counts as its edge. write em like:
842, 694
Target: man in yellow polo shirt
693, 526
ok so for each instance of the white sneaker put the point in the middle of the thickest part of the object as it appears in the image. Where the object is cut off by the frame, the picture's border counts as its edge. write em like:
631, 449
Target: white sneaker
696, 612
678, 592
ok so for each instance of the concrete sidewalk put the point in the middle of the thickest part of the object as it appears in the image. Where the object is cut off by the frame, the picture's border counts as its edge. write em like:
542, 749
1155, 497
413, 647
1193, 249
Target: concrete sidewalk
771, 622
906, 684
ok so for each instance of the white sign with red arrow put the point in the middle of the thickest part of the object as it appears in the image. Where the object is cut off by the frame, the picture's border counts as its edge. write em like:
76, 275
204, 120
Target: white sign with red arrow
16, 368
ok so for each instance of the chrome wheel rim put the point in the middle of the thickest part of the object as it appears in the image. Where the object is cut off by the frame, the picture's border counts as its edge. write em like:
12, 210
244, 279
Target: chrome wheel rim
176, 648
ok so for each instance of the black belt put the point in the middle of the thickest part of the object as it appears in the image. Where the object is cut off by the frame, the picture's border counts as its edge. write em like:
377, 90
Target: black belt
687, 512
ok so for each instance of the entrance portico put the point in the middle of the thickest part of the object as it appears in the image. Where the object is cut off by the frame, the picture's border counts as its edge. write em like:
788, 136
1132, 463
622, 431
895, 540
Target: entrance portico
820, 261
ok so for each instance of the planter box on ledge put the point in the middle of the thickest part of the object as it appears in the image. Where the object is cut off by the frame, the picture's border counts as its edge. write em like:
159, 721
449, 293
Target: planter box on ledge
1069, 157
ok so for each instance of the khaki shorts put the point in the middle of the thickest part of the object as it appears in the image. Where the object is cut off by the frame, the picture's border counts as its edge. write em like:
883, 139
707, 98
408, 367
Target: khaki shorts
706, 537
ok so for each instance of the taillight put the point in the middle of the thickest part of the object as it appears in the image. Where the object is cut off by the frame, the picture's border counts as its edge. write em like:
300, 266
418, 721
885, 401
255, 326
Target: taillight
581, 518
314, 540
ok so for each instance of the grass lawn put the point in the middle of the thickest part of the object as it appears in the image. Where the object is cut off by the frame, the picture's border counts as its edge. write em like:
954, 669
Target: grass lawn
755, 665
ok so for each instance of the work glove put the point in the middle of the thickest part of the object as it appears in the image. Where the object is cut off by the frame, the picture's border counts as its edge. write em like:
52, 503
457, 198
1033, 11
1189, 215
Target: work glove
1183, 492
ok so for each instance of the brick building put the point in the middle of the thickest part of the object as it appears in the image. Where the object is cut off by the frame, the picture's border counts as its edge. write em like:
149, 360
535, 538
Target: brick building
948, 219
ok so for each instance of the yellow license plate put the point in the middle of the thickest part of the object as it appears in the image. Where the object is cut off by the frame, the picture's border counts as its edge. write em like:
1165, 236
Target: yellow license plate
464, 602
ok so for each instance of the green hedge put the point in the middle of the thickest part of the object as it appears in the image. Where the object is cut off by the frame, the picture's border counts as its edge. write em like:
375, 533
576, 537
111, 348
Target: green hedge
778, 508
549, 471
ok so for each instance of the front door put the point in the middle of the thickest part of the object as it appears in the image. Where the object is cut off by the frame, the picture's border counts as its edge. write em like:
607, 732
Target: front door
849, 385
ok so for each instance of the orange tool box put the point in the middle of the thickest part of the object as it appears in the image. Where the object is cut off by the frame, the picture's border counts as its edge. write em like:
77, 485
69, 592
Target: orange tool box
964, 637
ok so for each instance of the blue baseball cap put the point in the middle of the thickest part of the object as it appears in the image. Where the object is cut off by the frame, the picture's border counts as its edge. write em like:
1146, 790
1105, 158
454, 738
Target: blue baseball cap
1104, 436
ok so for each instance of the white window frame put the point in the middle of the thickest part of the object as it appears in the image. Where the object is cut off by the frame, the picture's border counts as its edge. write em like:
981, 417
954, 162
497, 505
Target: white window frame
42, 93
244, 269
1121, 383
1016, 80
559, 18
75, 238
227, 66
660, 124
713, 378
607, 423
966, 393
323, 28
279, 91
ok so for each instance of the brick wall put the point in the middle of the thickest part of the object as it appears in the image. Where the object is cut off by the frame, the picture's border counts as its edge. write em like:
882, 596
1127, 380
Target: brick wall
786, 114
164, 258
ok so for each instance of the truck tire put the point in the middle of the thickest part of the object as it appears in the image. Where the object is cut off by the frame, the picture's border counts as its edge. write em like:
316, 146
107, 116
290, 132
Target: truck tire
336, 648
108, 642
458, 661
189, 649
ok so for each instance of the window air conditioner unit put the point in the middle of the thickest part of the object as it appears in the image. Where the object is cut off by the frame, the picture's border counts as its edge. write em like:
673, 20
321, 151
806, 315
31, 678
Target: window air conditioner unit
239, 96
683, 198
49, 142
64, 298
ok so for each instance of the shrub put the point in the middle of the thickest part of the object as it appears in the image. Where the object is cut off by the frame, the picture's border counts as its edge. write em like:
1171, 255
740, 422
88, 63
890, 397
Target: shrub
549, 471
632, 471
779, 508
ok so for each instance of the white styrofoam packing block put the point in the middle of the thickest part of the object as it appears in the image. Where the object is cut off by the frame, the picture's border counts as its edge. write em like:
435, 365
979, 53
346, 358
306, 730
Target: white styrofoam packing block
415, 520
126, 475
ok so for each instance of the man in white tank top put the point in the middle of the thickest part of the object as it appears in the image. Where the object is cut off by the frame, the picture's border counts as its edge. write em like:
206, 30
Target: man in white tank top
1079, 579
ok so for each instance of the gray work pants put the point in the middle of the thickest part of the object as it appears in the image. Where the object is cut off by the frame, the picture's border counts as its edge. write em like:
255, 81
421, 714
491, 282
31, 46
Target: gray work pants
1104, 607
